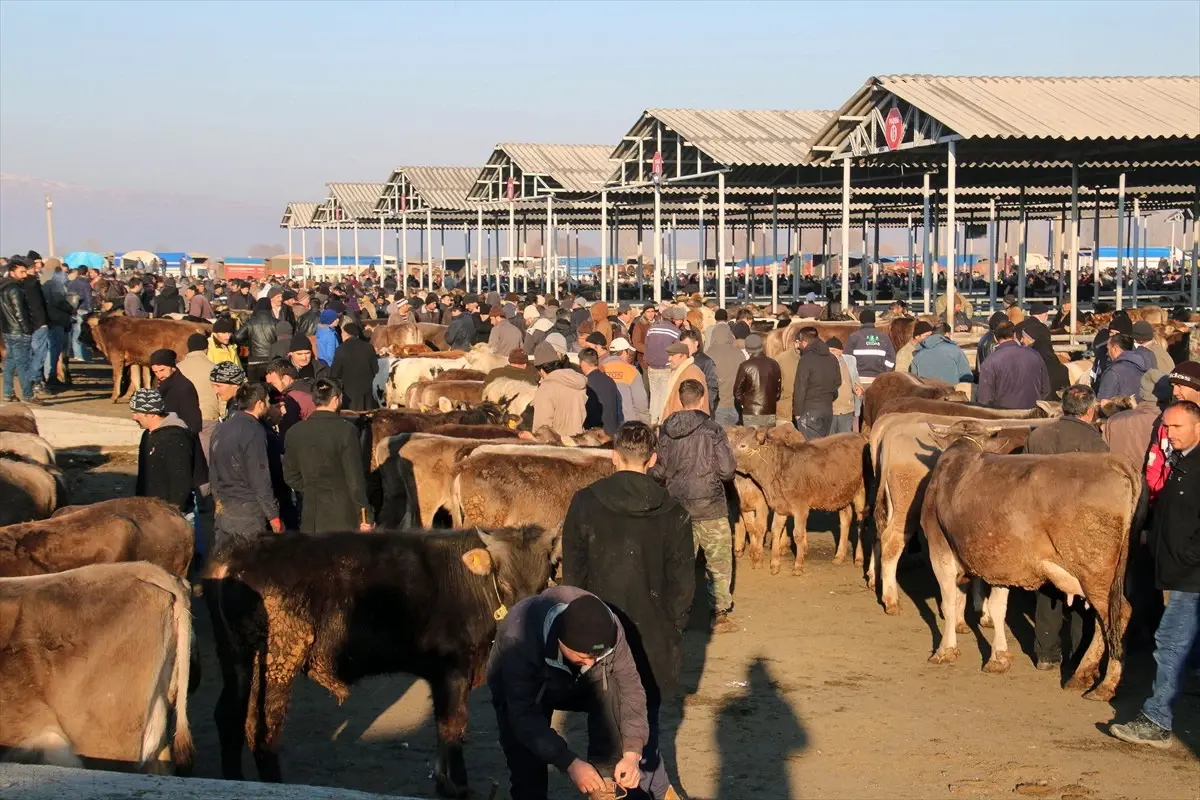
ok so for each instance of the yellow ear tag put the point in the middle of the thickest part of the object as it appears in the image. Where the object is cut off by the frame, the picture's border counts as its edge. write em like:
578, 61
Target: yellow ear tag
500, 613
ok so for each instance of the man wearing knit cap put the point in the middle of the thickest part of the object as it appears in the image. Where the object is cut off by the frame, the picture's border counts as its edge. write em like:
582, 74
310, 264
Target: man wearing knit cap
327, 337
220, 346
565, 650
300, 353
1123, 375
178, 393
170, 465
517, 369
224, 379
1143, 340
240, 473
871, 348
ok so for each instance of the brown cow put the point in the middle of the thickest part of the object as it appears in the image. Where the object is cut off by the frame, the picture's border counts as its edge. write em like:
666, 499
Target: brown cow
460, 375
129, 341
17, 418
797, 477
122, 529
94, 661
428, 394
384, 422
26, 447
523, 484
1071, 528
385, 338
891, 385
750, 521
947, 408
29, 491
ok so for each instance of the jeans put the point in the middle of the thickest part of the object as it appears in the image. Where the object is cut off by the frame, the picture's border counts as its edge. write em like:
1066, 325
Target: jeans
726, 416
842, 423
758, 420
814, 424
660, 382
41, 351
18, 349
1173, 643
78, 351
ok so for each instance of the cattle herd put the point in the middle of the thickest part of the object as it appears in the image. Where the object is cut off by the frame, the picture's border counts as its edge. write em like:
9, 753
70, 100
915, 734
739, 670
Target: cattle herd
469, 510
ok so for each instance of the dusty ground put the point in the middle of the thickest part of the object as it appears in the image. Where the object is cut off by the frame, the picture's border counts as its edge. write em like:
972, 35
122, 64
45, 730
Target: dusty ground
821, 695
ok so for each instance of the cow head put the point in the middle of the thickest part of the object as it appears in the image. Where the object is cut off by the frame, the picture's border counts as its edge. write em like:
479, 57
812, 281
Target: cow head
978, 436
88, 331
519, 560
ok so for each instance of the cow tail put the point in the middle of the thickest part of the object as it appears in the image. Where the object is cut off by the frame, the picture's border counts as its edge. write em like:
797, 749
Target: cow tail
182, 749
1116, 592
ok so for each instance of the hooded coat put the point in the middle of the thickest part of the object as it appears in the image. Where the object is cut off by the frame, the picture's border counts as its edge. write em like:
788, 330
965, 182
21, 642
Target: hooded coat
1122, 377
355, 365
629, 542
561, 402
170, 464
727, 356
685, 371
937, 357
1060, 378
695, 460
600, 323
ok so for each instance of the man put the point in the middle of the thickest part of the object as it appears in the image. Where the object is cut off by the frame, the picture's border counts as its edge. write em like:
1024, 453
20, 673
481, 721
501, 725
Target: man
788, 361
517, 369
428, 312
198, 306
691, 338
79, 286
16, 324
810, 308
757, 386
1074, 432
987, 342
327, 336
293, 398
1130, 432
561, 397
1123, 376
695, 461
659, 336
603, 406
505, 336
168, 301
307, 318
59, 314
300, 353
682, 368
460, 334
225, 379
627, 540
727, 356
597, 342
1143, 339
1013, 377
564, 649
818, 376
196, 367
938, 357
355, 365
850, 390
220, 347
641, 326
323, 462
620, 366
170, 465
872, 350
36, 302
240, 476
1175, 542
178, 393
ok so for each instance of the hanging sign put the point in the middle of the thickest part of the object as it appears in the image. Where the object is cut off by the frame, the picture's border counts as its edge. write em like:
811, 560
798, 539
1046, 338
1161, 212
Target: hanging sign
656, 167
893, 128
403, 202
512, 191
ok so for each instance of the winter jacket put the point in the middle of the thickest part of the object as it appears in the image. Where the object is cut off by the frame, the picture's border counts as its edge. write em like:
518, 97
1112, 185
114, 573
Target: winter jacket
1056, 371
218, 352
986, 346
196, 367
240, 475
180, 397
788, 361
873, 349
1175, 531
504, 338
258, 333
81, 288
483, 330
603, 406
757, 386
460, 335
355, 365
659, 337
170, 464
1148, 359
711, 379
1065, 435
904, 356
635, 400
327, 344
694, 461
725, 353
561, 402
59, 311
308, 322
1013, 377
168, 302
685, 371
323, 461
600, 324
200, 308
938, 357
818, 377
15, 319
629, 542
133, 306
526, 674
1123, 377
1129, 432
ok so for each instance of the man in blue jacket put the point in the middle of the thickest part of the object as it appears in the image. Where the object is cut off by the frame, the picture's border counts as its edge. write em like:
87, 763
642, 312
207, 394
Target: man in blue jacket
938, 357
1123, 376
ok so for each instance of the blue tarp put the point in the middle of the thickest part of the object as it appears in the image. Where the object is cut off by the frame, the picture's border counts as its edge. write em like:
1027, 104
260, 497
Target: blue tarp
86, 259
1148, 253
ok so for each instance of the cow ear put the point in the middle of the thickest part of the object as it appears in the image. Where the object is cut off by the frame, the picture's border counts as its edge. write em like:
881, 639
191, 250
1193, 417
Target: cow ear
478, 561
760, 435
444, 405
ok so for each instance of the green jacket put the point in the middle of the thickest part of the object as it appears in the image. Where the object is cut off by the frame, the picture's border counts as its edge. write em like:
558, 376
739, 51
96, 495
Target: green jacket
323, 462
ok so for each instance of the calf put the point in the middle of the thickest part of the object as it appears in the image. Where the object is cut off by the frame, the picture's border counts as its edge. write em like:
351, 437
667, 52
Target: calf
891, 385
407, 371
29, 491
17, 418
510, 484
378, 425
750, 518
344, 606
922, 405
797, 477
514, 395
426, 394
459, 375
26, 447
129, 341
1071, 528
95, 661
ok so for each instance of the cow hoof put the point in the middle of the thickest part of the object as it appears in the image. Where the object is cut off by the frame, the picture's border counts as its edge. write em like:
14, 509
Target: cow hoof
961, 627
774, 569
999, 663
944, 655
1101, 694
839, 560
985, 622
858, 561
1081, 681
891, 609
739, 553
797, 571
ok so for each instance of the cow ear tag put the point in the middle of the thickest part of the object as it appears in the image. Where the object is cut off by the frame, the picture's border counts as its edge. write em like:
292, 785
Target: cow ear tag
478, 561
500, 613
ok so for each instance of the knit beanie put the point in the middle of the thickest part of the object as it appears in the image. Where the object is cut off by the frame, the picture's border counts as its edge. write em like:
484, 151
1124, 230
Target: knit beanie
587, 626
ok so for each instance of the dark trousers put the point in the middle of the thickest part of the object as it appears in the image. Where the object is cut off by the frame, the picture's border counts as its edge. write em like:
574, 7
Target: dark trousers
814, 424
1048, 618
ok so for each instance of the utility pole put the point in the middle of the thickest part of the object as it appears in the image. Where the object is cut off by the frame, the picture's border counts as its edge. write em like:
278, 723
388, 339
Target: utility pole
50, 226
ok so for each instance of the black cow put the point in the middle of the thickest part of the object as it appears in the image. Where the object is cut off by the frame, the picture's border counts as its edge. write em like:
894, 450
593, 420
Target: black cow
341, 607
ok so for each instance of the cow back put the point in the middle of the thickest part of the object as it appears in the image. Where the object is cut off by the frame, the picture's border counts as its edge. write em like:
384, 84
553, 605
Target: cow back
17, 418
29, 491
133, 339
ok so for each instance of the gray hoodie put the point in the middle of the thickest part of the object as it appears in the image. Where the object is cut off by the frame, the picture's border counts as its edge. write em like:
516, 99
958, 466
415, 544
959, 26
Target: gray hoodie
727, 356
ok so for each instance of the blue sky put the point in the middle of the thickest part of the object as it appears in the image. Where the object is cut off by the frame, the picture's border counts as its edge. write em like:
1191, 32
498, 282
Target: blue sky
262, 103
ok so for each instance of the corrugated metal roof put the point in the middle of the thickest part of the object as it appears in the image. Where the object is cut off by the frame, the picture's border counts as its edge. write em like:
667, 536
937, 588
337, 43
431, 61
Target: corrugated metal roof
442, 187
575, 167
301, 214
355, 192
744, 138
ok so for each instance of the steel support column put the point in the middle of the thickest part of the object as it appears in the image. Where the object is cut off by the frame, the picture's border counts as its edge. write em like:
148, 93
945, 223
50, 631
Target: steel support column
992, 255
951, 177
846, 233
1073, 244
603, 244
926, 261
721, 240
1120, 277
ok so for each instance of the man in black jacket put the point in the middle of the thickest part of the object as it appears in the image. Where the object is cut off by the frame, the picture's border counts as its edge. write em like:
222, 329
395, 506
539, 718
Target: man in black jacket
36, 301
818, 377
240, 474
757, 386
695, 461
627, 541
564, 649
258, 334
323, 462
179, 394
603, 407
1175, 542
16, 324
355, 364
170, 465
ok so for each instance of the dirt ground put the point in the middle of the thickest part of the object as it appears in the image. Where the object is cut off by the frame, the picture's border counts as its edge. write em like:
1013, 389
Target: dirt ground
821, 695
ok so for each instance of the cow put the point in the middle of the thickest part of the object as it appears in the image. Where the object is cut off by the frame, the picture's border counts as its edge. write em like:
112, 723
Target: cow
381, 423
594, 437
17, 418
1071, 528
96, 660
459, 375
386, 337
26, 447
905, 452
405, 372
123, 529
511, 484
750, 516
796, 477
340, 607
29, 491
891, 385
514, 395
947, 408
129, 341
427, 394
